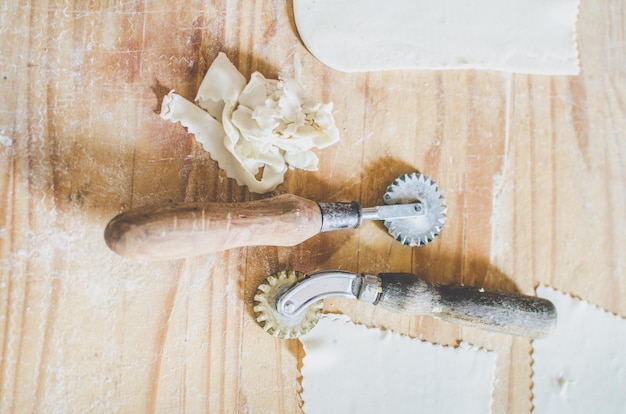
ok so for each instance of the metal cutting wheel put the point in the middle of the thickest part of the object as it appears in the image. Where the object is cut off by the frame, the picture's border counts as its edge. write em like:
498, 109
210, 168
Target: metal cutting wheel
416, 188
273, 322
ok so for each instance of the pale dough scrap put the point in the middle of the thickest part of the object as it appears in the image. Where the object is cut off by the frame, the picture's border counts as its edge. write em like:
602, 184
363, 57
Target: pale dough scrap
266, 124
350, 368
523, 36
581, 366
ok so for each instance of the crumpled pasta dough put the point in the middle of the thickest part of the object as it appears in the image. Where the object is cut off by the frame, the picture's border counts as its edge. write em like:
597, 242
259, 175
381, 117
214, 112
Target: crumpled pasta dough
263, 125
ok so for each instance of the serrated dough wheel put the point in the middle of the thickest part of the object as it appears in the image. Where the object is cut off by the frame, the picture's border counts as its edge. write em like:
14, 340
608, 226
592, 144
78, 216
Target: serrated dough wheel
411, 188
267, 316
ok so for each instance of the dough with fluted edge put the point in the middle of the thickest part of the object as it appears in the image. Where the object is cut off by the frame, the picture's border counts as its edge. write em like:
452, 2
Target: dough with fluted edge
263, 125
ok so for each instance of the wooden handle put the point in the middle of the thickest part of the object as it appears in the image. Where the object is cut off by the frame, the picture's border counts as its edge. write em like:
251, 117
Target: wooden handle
509, 313
182, 230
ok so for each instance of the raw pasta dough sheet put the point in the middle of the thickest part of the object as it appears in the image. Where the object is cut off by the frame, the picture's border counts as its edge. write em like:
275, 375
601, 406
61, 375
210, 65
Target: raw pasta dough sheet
581, 366
523, 36
350, 368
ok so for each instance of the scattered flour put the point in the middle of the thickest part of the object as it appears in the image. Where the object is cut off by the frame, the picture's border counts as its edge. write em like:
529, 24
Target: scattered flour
6, 141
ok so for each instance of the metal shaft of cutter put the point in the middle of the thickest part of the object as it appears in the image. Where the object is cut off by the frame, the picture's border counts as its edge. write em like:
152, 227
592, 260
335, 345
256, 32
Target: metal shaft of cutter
393, 211
337, 216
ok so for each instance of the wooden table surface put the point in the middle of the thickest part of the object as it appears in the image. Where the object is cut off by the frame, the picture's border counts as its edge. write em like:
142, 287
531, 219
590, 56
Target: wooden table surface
533, 169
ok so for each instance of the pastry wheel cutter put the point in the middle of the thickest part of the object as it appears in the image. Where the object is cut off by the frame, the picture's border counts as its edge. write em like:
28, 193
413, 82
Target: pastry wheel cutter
414, 212
289, 303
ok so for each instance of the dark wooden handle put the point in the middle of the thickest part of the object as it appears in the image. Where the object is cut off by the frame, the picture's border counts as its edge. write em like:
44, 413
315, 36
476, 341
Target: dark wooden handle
509, 313
183, 230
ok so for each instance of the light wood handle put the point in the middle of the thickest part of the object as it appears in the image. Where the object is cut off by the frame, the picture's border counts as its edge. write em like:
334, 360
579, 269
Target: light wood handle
510, 313
183, 230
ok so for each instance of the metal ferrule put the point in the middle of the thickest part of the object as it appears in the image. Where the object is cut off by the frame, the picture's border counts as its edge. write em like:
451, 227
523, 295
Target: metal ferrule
337, 216
370, 289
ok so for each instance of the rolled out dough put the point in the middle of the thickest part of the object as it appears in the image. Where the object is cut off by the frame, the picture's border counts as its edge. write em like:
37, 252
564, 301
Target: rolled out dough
349, 368
581, 366
523, 36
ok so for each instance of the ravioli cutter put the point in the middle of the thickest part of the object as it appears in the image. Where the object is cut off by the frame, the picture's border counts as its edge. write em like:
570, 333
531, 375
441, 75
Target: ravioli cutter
289, 303
414, 212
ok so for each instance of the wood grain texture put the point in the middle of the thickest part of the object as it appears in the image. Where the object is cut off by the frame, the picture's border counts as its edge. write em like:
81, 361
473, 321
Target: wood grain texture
533, 170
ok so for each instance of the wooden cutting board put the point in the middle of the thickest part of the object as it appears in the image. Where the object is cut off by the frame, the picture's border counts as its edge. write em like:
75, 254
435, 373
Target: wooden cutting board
533, 170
